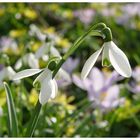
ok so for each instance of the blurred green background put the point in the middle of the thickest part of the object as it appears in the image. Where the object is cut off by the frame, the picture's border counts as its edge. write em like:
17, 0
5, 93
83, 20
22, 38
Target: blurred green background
72, 113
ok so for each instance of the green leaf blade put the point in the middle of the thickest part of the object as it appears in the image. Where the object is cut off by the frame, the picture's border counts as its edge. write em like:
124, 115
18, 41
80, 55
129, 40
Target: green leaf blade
12, 118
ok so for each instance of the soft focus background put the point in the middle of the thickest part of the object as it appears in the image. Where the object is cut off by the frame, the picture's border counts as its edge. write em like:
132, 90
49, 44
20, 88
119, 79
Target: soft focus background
103, 105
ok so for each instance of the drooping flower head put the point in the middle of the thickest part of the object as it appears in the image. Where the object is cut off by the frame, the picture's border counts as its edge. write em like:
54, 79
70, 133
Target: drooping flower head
110, 54
44, 82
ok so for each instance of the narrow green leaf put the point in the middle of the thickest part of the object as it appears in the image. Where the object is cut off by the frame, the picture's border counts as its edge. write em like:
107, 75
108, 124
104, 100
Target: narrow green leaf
12, 118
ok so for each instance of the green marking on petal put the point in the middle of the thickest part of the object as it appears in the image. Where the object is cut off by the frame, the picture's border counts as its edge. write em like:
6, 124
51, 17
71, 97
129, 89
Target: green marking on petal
106, 62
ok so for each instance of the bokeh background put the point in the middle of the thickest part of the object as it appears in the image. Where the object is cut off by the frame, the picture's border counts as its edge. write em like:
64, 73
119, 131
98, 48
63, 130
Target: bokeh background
105, 104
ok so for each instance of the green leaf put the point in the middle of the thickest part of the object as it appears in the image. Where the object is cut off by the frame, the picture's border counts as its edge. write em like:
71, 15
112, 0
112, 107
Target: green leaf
12, 118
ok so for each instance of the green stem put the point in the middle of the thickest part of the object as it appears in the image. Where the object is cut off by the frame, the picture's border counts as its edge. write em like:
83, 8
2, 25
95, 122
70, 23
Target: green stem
93, 31
34, 120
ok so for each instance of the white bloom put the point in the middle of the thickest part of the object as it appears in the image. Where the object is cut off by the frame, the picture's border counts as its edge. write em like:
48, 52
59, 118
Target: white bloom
45, 49
35, 31
111, 53
33, 63
6, 73
47, 85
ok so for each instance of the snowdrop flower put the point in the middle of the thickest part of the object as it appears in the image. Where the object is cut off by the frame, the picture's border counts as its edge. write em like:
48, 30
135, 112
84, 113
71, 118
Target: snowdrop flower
6, 73
111, 53
45, 50
35, 31
44, 82
33, 63
101, 88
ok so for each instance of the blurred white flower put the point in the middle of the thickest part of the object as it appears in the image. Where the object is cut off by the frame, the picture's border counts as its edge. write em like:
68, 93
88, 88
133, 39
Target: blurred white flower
35, 31
46, 49
102, 124
28, 59
6, 74
111, 53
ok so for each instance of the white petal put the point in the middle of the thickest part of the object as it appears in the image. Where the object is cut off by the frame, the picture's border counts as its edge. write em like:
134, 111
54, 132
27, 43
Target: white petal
45, 57
2, 76
26, 73
9, 72
54, 89
105, 54
18, 64
46, 91
90, 63
119, 61
33, 61
45, 74
54, 51
41, 51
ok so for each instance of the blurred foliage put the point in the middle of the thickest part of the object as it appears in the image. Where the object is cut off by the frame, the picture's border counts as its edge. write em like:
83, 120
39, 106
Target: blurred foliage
71, 114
